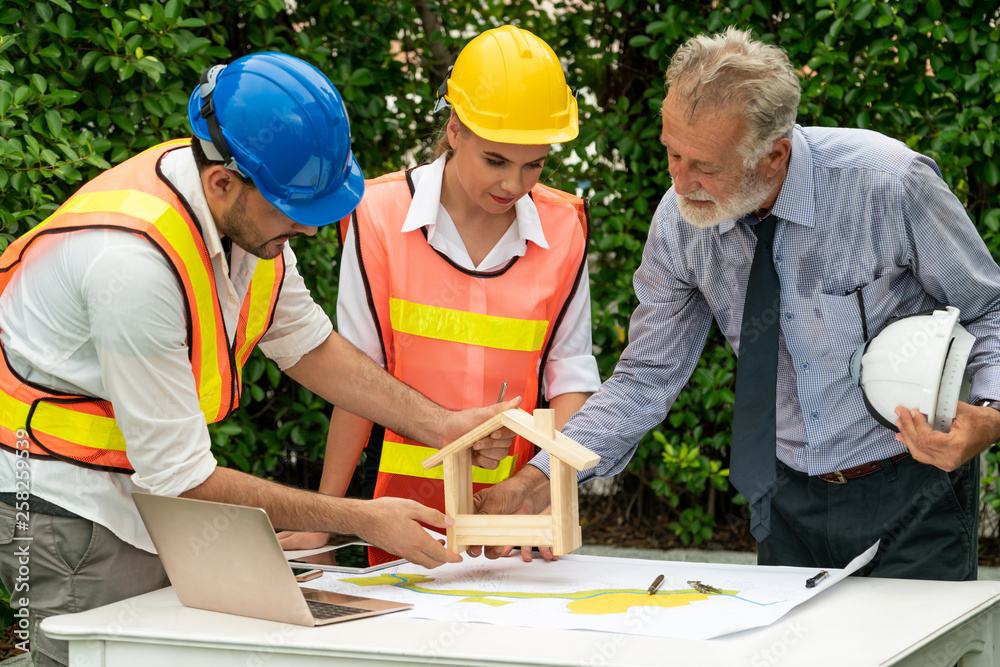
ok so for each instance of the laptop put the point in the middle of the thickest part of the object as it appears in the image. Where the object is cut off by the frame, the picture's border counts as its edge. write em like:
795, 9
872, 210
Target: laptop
227, 558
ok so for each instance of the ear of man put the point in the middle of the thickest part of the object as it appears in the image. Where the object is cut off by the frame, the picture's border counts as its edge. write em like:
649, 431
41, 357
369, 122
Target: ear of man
776, 159
222, 189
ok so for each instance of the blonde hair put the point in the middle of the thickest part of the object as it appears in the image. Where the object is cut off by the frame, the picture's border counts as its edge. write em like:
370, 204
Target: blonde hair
441, 145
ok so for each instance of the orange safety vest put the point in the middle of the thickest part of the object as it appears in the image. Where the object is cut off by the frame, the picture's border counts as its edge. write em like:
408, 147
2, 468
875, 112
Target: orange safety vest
456, 335
135, 197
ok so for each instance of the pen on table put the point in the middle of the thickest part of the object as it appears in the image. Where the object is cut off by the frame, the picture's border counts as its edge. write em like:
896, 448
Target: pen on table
655, 585
503, 390
812, 581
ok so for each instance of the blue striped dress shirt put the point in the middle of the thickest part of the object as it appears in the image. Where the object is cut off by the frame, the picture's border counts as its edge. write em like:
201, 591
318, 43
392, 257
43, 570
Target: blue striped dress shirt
858, 212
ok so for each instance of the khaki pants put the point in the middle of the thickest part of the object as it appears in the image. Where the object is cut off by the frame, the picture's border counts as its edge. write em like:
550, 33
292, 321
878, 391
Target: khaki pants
69, 565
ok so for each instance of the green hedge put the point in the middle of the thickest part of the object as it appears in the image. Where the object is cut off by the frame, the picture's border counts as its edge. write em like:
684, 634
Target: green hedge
86, 83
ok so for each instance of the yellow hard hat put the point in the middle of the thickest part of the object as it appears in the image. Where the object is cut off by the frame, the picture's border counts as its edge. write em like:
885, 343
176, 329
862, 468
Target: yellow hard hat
508, 86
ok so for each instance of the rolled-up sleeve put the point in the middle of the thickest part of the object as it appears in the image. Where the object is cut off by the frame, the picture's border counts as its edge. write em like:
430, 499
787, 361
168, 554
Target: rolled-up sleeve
299, 325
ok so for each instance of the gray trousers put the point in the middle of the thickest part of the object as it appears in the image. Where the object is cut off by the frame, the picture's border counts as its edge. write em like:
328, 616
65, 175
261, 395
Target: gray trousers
68, 565
927, 519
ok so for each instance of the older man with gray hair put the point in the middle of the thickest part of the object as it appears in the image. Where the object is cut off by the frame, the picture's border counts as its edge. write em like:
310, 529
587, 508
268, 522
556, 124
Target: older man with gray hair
802, 243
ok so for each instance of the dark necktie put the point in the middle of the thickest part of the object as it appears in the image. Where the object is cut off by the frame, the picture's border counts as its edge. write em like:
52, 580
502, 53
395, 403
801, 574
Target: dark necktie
754, 438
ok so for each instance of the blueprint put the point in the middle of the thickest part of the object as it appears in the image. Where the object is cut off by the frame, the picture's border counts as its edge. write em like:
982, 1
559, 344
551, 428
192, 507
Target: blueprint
694, 601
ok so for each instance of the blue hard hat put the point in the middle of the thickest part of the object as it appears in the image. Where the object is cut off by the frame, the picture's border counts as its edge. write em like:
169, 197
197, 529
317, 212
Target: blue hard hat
280, 121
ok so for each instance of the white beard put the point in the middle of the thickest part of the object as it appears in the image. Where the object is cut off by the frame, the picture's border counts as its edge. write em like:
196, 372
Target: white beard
751, 196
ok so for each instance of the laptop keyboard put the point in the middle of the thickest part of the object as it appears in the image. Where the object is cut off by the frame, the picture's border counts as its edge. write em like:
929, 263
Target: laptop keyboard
327, 610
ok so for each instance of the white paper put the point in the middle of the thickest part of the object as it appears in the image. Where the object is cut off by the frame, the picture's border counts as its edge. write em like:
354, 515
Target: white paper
595, 593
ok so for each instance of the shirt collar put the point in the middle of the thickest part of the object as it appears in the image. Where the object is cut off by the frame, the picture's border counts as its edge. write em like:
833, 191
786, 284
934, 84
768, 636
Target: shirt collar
179, 168
423, 210
796, 200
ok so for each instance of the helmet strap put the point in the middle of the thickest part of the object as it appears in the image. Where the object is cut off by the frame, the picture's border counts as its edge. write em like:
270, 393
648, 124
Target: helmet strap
221, 149
442, 90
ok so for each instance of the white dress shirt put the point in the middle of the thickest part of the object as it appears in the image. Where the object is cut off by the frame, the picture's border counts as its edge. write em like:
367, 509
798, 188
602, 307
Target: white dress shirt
100, 313
571, 365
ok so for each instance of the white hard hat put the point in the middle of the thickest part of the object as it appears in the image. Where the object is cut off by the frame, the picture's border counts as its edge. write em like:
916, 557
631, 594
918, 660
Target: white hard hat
915, 362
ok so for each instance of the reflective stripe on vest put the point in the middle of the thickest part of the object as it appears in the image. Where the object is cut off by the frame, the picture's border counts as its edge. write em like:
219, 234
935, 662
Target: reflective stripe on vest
83, 430
400, 458
501, 333
257, 310
457, 335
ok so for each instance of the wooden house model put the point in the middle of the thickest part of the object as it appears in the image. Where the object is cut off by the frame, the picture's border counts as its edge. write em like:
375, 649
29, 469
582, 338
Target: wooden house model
560, 530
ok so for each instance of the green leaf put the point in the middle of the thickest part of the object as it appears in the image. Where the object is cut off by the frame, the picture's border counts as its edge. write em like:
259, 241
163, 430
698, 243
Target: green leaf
991, 220
38, 82
991, 52
50, 51
862, 11
62, 3
933, 9
6, 100
174, 120
362, 77
152, 105
992, 172
55, 123
7, 41
88, 59
229, 427
834, 32
66, 24
172, 10
10, 15
21, 95
639, 40
273, 373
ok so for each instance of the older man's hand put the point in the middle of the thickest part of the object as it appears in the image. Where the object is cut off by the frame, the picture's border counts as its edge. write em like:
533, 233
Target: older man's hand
973, 430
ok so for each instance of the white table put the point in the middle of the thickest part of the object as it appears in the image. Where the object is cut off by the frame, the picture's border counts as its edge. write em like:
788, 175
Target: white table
857, 622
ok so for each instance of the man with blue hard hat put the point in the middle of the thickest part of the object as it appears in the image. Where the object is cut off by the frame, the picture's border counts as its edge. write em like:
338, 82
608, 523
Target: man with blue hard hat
126, 319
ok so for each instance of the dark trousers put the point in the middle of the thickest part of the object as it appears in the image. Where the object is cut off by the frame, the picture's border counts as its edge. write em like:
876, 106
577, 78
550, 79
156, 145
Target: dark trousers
927, 519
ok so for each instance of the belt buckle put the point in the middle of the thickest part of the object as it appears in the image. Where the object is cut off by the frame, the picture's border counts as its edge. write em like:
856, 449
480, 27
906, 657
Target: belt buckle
840, 478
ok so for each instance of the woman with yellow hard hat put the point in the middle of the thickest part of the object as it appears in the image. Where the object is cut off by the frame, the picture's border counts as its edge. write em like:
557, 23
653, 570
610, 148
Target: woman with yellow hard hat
465, 275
